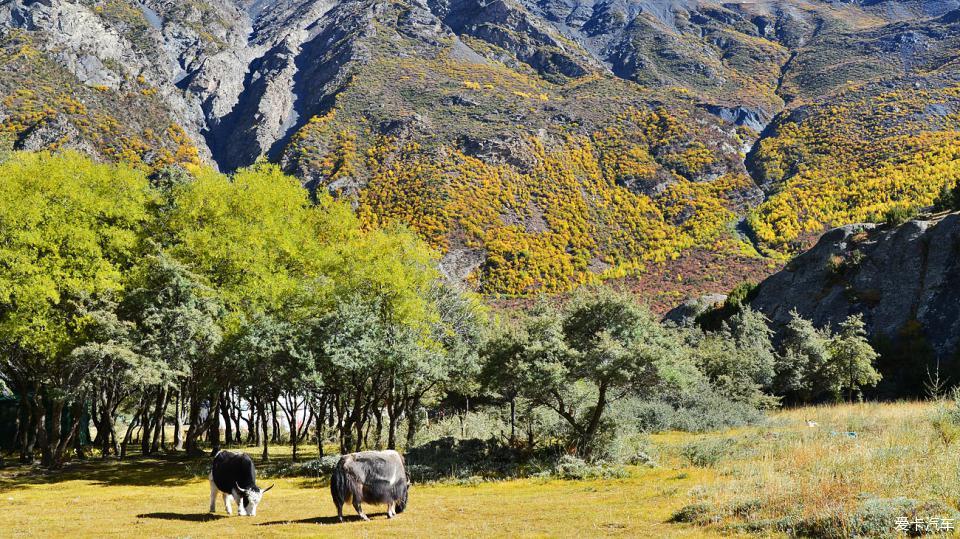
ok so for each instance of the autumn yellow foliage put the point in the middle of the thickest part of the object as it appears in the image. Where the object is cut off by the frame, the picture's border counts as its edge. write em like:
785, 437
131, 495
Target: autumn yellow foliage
564, 219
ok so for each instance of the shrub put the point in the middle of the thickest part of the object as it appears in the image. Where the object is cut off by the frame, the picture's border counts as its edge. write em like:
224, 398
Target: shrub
898, 215
695, 513
321, 467
571, 467
875, 517
839, 266
708, 452
945, 419
452, 458
630, 448
740, 296
700, 408
655, 416
949, 199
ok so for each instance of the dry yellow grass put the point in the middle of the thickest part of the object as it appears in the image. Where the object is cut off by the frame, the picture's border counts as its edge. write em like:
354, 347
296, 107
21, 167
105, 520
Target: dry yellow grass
782, 468
853, 453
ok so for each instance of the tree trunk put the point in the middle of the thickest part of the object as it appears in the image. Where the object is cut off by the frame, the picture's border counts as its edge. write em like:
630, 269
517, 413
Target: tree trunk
227, 420
274, 423
236, 413
106, 426
198, 428
530, 436
52, 440
594, 425
290, 412
378, 425
413, 422
158, 418
392, 419
193, 428
177, 425
113, 437
148, 425
128, 435
253, 426
97, 419
395, 408
214, 429
28, 427
320, 416
513, 421
39, 430
65, 441
266, 436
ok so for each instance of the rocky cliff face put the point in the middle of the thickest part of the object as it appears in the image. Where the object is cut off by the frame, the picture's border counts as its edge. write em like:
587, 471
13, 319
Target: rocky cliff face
242, 76
896, 277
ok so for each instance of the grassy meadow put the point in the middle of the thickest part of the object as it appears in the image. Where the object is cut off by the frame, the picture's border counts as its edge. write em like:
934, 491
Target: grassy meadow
853, 472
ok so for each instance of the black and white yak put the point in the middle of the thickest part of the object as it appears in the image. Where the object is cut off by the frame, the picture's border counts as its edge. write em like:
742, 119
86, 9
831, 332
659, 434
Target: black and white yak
376, 477
234, 475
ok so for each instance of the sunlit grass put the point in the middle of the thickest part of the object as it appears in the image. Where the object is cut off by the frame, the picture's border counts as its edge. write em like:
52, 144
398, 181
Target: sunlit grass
167, 499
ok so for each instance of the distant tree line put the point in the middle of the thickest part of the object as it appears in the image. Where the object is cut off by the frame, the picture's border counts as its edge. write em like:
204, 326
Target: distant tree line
220, 305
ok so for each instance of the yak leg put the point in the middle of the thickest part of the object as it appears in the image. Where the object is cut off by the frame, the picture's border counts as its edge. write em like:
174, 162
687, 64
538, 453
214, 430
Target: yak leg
356, 505
391, 509
227, 498
340, 511
241, 510
213, 495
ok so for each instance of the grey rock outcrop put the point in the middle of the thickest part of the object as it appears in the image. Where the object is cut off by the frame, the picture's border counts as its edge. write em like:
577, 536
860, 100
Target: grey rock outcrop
893, 276
686, 313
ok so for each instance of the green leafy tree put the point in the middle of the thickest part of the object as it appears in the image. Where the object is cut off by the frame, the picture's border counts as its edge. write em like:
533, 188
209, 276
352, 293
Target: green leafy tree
257, 239
355, 344
949, 199
852, 358
739, 360
69, 230
601, 348
750, 332
179, 324
805, 370
447, 359
119, 370
273, 356
505, 372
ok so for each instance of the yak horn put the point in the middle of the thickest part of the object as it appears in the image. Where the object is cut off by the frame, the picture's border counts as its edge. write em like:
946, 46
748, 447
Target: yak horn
242, 490
268, 488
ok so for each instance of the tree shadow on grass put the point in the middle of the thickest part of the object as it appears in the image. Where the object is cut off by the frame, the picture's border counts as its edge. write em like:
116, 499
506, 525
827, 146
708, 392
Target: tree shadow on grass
168, 470
183, 517
136, 471
347, 519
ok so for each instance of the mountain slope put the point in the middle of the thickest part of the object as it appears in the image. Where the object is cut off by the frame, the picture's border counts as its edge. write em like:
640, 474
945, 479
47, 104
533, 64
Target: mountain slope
538, 143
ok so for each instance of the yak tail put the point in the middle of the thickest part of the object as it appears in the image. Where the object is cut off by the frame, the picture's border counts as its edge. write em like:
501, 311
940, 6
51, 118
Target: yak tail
401, 494
213, 461
338, 486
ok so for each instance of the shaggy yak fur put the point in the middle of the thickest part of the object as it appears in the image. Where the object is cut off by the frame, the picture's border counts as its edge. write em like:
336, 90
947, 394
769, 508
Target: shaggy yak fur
376, 477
